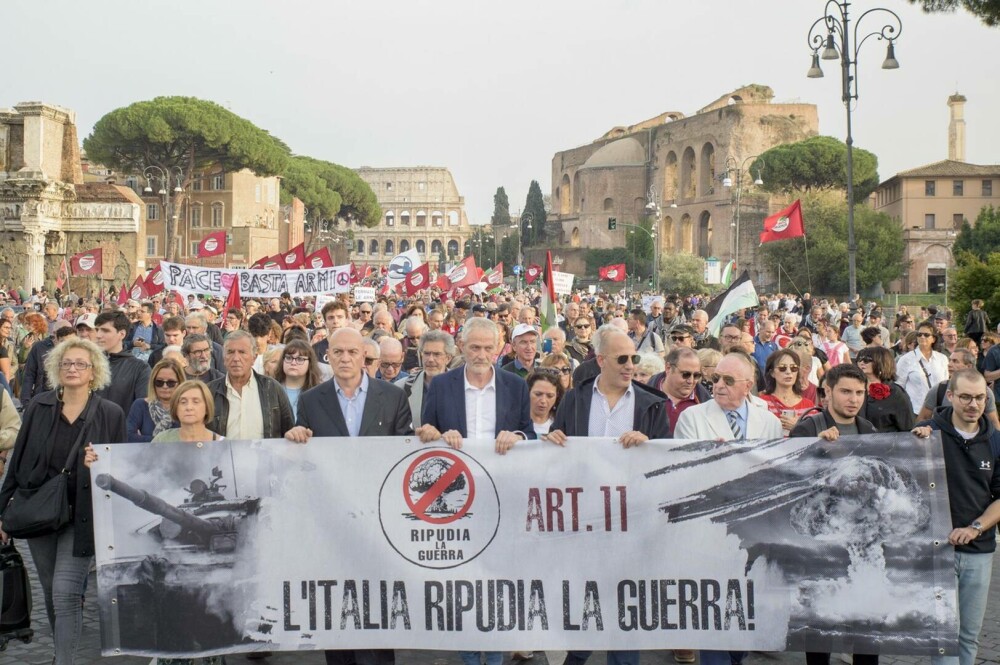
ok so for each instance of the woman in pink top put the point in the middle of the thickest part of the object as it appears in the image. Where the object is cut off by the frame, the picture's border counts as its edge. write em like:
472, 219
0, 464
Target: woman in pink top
835, 350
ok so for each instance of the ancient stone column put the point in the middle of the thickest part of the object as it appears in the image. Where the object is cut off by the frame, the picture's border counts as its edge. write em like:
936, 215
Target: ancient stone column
34, 265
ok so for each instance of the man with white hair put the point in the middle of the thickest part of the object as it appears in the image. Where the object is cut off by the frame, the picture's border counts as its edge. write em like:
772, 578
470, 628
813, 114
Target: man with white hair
391, 360
703, 339
436, 350
413, 328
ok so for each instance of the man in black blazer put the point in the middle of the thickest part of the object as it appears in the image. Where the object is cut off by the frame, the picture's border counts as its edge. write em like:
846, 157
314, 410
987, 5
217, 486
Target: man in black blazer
500, 399
351, 404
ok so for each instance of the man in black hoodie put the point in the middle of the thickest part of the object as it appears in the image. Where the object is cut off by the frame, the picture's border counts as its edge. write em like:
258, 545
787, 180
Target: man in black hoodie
129, 375
971, 447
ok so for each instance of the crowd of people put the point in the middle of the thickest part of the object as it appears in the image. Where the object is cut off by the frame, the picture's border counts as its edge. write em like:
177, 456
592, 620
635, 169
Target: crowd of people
177, 369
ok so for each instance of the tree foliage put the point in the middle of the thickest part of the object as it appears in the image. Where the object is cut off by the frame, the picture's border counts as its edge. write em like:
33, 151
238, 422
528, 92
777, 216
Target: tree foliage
331, 191
507, 252
987, 10
880, 254
817, 163
683, 273
501, 208
975, 277
982, 239
534, 205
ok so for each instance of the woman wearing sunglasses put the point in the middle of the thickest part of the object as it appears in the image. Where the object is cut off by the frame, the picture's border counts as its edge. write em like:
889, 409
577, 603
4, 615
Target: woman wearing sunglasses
562, 365
886, 405
297, 371
150, 415
920, 370
782, 392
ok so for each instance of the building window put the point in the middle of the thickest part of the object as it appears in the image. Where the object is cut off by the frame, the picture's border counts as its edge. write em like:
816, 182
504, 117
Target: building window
152, 212
151, 246
219, 182
196, 183
421, 218
929, 221
421, 247
388, 185
987, 188
195, 217
404, 217
928, 187
194, 248
256, 193
271, 192
218, 216
390, 218
957, 187
132, 182
421, 186
957, 219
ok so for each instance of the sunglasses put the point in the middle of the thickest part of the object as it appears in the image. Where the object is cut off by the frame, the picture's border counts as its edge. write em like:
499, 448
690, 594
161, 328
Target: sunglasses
164, 383
687, 376
923, 334
678, 338
625, 357
786, 368
725, 378
582, 326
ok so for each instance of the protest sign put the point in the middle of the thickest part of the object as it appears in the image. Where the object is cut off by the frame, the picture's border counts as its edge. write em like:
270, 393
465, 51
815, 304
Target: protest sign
187, 279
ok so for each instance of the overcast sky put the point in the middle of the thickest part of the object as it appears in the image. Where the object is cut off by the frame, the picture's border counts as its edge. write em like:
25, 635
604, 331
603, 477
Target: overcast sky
492, 90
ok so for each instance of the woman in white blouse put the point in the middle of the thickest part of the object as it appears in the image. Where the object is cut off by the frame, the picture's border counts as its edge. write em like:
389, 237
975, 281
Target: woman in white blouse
919, 370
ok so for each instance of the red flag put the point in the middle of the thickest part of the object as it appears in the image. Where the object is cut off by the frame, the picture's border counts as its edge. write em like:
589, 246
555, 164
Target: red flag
534, 270
90, 262
272, 263
63, 275
366, 271
233, 300
259, 263
418, 279
154, 281
293, 259
613, 273
494, 278
320, 259
138, 290
123, 295
442, 282
214, 244
355, 274
785, 224
464, 273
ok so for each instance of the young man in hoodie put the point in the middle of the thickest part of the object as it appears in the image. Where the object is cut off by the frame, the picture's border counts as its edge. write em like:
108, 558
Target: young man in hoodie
129, 375
971, 447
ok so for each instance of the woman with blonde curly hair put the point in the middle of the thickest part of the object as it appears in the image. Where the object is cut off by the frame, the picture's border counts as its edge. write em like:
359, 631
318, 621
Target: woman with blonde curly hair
56, 425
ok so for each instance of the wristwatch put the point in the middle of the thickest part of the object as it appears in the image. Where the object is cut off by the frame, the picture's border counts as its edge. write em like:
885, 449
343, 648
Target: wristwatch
978, 526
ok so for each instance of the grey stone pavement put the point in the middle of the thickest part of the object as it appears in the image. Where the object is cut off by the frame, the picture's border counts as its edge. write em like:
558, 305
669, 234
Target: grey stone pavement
39, 651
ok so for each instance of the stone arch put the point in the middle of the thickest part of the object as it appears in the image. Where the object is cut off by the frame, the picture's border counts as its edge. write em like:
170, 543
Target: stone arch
436, 247
404, 218
667, 234
404, 245
609, 204
421, 218
390, 246
361, 246
670, 177
421, 247
734, 99
564, 192
687, 234
373, 247
453, 247
437, 218
705, 234
706, 170
574, 239
390, 218
689, 173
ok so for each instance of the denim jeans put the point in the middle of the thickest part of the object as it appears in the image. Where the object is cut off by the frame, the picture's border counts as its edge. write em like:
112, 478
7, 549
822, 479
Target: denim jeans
974, 572
614, 657
62, 576
475, 657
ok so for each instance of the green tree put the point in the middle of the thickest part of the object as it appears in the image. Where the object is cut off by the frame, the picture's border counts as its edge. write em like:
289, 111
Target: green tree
507, 252
982, 239
683, 273
987, 10
193, 135
534, 205
818, 163
973, 278
501, 208
639, 243
880, 255
331, 192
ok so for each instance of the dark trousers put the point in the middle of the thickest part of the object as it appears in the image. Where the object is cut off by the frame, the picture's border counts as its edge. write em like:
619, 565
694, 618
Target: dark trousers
814, 658
360, 657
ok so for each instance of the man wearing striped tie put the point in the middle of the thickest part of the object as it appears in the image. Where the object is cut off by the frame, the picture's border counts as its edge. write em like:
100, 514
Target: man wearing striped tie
730, 415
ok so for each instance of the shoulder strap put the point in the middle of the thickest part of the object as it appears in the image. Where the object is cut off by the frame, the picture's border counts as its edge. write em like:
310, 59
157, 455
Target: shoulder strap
941, 390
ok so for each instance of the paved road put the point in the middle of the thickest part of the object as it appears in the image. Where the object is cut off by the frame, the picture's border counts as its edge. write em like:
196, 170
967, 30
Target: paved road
39, 652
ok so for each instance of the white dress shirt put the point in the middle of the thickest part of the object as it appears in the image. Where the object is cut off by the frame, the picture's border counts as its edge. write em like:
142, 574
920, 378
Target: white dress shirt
605, 421
481, 408
246, 420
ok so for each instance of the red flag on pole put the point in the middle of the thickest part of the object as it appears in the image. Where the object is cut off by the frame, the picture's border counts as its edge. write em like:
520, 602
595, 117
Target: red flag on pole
90, 262
534, 270
293, 259
783, 225
154, 281
123, 294
321, 259
418, 279
233, 300
138, 290
259, 263
214, 244
465, 273
442, 282
272, 263
613, 273
494, 278
63, 275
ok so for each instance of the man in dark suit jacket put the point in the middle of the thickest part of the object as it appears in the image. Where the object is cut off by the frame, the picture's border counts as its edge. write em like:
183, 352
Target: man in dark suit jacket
506, 417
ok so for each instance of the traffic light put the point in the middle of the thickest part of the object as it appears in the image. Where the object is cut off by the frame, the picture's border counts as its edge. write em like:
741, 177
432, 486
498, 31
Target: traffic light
612, 223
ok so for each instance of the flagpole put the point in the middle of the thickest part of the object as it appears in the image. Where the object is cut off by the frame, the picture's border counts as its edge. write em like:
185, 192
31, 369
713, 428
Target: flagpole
805, 248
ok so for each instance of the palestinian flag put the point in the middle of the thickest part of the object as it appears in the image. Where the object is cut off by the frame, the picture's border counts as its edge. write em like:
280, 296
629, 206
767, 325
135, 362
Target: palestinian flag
727, 273
740, 295
547, 311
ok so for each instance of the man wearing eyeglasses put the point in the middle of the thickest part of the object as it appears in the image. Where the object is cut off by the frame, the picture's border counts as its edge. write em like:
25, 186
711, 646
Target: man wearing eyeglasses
435, 350
971, 446
681, 383
391, 360
364, 322
611, 405
525, 342
197, 350
373, 354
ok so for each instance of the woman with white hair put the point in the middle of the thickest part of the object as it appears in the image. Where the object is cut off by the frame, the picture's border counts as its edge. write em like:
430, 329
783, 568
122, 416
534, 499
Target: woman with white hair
56, 427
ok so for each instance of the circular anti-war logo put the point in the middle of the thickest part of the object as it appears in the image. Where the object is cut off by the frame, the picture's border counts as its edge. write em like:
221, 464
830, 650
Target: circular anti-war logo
458, 274
87, 262
211, 245
417, 279
780, 225
439, 508
613, 273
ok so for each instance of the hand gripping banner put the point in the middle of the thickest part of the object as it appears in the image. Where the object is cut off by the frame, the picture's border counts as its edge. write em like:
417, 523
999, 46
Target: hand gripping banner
788, 544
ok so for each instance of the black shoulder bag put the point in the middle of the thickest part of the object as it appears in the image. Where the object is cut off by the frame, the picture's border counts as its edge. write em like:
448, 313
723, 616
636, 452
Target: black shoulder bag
45, 510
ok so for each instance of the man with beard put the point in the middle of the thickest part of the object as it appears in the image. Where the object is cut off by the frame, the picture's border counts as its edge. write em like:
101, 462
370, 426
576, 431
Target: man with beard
436, 350
971, 448
845, 387
197, 350
681, 382
129, 375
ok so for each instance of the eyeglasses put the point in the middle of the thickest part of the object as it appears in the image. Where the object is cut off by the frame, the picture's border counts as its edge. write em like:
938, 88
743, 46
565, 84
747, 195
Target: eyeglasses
390, 365
564, 370
799, 344
924, 334
165, 383
725, 378
864, 360
687, 376
786, 368
296, 360
199, 352
968, 399
625, 357
75, 364
732, 338
370, 361
678, 338
581, 326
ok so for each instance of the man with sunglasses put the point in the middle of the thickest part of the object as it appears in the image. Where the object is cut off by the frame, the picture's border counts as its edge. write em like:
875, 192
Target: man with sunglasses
971, 448
364, 322
681, 382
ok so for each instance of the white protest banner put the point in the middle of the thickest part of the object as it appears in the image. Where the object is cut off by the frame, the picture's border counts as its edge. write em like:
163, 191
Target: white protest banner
187, 279
562, 282
796, 544
364, 293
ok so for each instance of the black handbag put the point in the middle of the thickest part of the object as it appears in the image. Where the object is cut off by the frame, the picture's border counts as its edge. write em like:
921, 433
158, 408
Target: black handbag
44, 510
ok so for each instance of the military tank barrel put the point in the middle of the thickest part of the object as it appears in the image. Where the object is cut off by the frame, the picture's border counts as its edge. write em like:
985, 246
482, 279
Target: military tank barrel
155, 504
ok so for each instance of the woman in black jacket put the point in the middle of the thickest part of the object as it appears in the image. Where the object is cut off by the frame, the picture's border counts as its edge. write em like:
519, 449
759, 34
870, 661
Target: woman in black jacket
53, 423
886, 405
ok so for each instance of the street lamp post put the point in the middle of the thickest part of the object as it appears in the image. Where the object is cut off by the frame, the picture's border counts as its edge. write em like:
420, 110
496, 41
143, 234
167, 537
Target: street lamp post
155, 173
520, 263
653, 208
837, 44
741, 171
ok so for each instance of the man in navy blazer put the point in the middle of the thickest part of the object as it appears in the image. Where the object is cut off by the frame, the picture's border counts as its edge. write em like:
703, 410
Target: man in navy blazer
498, 400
